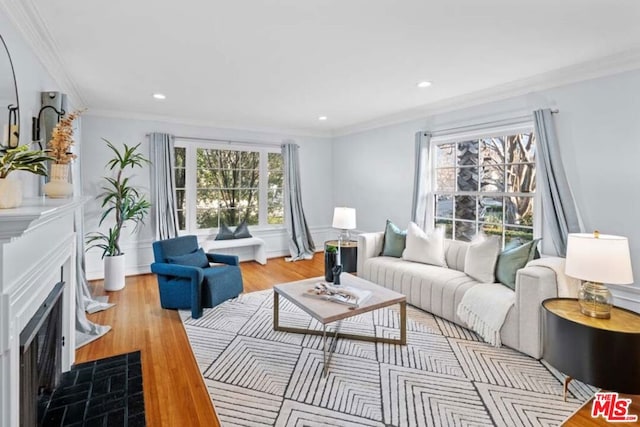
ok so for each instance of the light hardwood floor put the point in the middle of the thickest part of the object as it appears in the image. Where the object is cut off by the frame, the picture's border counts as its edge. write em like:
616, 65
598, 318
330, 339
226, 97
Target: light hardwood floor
174, 392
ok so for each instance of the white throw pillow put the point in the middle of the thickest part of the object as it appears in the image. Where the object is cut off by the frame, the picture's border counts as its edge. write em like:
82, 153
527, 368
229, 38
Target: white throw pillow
427, 248
482, 255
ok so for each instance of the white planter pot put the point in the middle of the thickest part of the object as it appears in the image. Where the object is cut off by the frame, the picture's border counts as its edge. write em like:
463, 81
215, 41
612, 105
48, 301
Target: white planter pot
114, 273
59, 186
10, 193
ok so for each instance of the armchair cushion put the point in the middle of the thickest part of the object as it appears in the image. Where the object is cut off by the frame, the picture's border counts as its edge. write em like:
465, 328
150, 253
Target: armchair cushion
221, 284
194, 259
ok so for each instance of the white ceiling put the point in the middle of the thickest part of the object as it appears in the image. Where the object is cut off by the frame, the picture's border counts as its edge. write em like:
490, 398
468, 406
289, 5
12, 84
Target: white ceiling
282, 63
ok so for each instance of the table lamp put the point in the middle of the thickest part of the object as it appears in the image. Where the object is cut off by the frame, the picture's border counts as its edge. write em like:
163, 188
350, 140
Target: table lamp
344, 219
597, 259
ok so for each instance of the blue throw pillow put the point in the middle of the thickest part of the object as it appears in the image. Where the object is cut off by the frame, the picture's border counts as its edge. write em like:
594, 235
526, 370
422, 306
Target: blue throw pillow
224, 233
513, 259
242, 231
195, 259
394, 240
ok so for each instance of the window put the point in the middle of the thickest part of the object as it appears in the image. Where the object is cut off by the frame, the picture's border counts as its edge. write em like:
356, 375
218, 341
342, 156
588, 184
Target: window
216, 185
486, 184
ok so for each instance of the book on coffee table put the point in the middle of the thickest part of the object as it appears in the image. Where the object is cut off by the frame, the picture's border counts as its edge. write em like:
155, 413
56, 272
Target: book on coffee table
347, 295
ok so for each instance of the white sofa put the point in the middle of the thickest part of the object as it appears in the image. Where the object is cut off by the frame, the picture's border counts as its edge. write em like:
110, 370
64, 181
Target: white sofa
439, 290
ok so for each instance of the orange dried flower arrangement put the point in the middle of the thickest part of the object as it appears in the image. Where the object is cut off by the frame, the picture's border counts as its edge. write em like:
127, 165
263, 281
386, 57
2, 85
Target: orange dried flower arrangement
59, 147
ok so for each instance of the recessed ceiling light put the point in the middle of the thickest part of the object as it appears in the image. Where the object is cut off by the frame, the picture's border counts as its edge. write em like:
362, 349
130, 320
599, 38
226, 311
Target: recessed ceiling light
424, 84
159, 96
322, 118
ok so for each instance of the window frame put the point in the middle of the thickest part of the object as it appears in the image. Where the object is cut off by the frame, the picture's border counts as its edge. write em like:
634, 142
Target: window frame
191, 171
476, 134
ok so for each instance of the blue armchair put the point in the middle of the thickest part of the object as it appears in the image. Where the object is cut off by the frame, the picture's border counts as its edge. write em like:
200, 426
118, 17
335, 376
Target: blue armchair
186, 280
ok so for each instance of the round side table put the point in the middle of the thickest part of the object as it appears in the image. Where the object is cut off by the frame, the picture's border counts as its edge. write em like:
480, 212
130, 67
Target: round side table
602, 352
348, 255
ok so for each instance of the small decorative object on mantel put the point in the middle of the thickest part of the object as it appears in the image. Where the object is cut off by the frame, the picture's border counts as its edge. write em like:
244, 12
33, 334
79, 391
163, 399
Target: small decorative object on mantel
18, 159
60, 149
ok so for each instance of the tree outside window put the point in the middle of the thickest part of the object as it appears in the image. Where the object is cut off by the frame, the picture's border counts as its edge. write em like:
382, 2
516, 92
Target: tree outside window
227, 187
486, 184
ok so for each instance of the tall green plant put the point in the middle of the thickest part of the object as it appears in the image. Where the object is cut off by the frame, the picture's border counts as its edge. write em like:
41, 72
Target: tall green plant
120, 199
23, 159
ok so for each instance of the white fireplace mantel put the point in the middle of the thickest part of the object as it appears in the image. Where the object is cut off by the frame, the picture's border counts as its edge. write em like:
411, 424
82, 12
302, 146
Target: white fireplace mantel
37, 250
32, 214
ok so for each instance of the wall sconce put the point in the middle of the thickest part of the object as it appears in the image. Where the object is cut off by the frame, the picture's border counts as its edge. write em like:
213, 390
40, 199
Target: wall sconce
10, 132
36, 124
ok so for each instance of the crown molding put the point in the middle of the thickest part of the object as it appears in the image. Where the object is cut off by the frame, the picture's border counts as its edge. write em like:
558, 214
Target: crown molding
27, 19
601, 67
132, 115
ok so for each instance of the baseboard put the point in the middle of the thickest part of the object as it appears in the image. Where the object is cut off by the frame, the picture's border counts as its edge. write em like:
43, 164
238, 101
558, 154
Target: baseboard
140, 254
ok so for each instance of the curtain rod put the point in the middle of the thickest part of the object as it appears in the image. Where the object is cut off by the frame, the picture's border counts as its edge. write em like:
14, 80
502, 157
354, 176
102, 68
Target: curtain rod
472, 127
227, 141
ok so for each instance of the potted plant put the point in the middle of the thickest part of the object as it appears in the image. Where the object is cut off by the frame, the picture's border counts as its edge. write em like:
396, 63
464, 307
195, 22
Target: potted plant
126, 205
59, 147
18, 159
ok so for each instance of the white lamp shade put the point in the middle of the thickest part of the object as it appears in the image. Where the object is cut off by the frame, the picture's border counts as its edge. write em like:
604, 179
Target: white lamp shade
602, 259
344, 218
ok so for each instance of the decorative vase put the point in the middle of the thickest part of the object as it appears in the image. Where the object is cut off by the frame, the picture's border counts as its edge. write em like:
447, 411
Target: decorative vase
329, 263
114, 273
59, 186
10, 193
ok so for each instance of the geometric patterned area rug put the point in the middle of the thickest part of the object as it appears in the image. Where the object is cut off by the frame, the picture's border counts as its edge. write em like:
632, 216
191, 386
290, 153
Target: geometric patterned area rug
444, 376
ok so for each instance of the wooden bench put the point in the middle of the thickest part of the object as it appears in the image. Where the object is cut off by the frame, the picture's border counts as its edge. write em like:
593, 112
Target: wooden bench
259, 251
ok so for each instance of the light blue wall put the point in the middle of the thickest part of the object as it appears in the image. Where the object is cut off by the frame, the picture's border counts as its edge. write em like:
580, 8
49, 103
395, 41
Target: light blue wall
599, 130
32, 79
315, 164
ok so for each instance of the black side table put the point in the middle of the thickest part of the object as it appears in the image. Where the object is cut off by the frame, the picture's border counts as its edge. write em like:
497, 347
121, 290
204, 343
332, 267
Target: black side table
602, 352
348, 255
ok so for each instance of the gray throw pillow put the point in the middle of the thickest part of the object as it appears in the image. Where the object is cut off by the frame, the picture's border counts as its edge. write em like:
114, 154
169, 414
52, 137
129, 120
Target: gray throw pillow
224, 233
513, 259
394, 240
242, 231
194, 259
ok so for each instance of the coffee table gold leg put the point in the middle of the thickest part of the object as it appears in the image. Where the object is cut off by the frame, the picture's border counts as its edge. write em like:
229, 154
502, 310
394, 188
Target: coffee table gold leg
565, 387
276, 310
325, 362
403, 323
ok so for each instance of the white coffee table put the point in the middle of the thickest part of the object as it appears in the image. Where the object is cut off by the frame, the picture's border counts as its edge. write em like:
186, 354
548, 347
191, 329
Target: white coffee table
327, 312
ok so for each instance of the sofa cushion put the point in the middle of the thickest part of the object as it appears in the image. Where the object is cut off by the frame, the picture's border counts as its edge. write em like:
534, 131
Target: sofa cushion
513, 259
455, 252
394, 240
194, 259
435, 289
482, 254
425, 247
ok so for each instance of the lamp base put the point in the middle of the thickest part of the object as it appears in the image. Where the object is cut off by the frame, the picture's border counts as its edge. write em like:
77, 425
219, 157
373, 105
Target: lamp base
344, 236
595, 300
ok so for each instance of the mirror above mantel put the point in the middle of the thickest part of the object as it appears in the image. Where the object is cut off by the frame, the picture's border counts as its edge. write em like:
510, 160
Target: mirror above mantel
9, 105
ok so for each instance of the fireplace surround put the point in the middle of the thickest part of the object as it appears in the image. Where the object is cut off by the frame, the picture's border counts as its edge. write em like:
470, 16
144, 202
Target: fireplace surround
37, 251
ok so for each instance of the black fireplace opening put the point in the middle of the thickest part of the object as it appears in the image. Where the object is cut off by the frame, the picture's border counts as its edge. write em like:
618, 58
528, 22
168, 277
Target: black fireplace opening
41, 343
